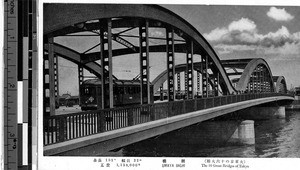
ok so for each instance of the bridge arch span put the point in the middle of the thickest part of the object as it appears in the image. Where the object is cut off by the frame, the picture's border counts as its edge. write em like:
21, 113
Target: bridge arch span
280, 84
256, 73
162, 77
60, 19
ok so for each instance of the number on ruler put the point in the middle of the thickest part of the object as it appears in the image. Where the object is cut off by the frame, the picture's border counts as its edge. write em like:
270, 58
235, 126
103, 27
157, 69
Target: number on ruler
11, 85
12, 135
15, 144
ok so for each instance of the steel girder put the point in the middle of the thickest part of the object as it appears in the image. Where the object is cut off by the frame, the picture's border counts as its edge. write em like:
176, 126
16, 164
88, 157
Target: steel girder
190, 71
249, 75
50, 79
106, 64
204, 67
144, 62
170, 63
236, 63
74, 56
60, 16
90, 57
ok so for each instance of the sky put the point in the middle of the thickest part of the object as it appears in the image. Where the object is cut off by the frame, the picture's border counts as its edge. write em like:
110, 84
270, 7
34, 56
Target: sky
269, 32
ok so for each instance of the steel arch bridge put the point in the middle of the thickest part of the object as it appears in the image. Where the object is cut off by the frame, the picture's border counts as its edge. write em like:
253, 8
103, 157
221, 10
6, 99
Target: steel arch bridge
280, 84
126, 30
254, 75
180, 37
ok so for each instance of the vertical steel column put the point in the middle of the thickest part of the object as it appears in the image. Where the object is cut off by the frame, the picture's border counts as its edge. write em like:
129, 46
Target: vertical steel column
51, 76
266, 81
198, 83
161, 92
204, 64
80, 81
252, 82
190, 71
46, 95
178, 83
56, 79
144, 61
269, 83
216, 84
248, 88
186, 84
255, 80
106, 64
258, 79
250, 85
170, 63
263, 80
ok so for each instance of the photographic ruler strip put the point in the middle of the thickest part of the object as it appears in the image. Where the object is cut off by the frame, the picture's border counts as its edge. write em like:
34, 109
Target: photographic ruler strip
20, 83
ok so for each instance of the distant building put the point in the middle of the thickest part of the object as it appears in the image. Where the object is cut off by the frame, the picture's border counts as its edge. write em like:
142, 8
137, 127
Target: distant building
68, 100
63, 98
297, 93
73, 100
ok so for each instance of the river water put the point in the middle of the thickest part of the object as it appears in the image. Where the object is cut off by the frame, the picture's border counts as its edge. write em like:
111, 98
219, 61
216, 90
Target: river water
273, 138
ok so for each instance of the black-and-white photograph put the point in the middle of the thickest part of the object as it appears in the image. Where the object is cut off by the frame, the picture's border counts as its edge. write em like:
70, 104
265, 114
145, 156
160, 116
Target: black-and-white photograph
171, 80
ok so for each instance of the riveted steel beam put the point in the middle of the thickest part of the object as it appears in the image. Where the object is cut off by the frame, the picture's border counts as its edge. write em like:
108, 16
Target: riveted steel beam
186, 84
51, 79
216, 84
264, 79
170, 63
190, 70
259, 78
144, 61
106, 64
80, 80
198, 83
235, 74
204, 68
178, 83
161, 92
90, 57
56, 80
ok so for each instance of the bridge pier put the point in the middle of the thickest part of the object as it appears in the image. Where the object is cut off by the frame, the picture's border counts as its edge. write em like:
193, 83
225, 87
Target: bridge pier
244, 134
263, 112
280, 113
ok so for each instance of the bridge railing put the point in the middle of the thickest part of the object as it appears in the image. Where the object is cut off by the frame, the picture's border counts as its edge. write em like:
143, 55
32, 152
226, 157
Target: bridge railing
75, 125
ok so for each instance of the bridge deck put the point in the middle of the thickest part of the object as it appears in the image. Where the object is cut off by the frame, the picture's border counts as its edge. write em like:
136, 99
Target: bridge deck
76, 125
115, 136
